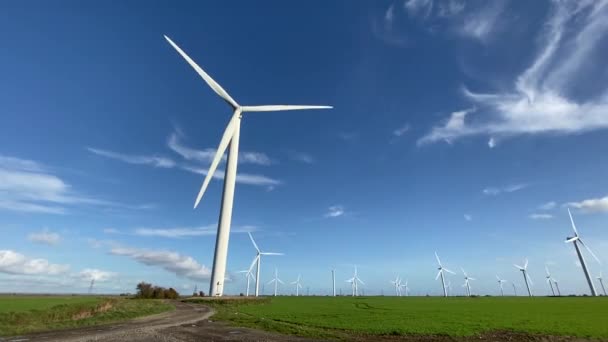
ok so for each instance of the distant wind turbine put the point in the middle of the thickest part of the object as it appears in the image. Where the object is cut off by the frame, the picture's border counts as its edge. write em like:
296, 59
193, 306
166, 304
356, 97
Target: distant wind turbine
466, 284
91, 286
230, 137
559, 294
258, 259
276, 281
601, 283
524, 271
297, 284
407, 289
500, 282
514, 289
333, 280
549, 280
397, 283
354, 281
440, 274
576, 240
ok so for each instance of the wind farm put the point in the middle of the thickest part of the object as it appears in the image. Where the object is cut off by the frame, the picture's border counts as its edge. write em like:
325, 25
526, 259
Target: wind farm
410, 170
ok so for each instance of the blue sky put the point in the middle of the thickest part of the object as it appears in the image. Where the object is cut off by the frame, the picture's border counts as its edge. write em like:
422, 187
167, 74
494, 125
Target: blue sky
465, 128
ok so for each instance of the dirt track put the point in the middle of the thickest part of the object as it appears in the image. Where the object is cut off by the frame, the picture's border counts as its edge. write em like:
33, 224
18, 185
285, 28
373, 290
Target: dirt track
188, 322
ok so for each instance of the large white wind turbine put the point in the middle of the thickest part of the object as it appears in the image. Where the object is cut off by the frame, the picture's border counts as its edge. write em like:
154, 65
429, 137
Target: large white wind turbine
601, 283
276, 281
297, 284
230, 137
500, 282
524, 272
258, 260
549, 280
354, 281
576, 240
466, 284
440, 274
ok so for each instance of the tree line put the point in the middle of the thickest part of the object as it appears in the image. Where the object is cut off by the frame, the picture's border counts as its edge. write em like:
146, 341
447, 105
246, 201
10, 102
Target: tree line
147, 290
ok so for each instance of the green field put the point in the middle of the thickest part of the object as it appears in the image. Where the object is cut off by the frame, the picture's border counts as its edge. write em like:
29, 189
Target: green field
340, 317
27, 314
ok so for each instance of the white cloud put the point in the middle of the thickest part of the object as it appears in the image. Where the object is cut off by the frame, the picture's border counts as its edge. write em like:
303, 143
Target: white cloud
401, 130
15, 263
492, 142
206, 156
95, 274
180, 265
468, 217
189, 232
111, 231
450, 8
301, 157
244, 178
536, 216
539, 102
547, 206
481, 23
592, 205
494, 191
45, 237
335, 211
27, 186
155, 161
419, 8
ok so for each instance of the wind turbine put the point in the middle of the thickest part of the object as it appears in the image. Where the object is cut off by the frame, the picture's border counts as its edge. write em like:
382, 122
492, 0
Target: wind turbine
549, 279
466, 282
440, 274
333, 280
276, 281
601, 283
500, 281
297, 284
514, 289
230, 137
249, 273
91, 286
407, 289
559, 294
449, 287
524, 271
355, 283
576, 240
397, 283
258, 259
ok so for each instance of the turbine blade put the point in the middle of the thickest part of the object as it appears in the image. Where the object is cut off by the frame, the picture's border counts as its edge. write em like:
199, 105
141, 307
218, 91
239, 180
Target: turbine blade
276, 108
445, 269
521, 268
471, 278
212, 84
529, 279
571, 239
271, 253
228, 133
590, 252
255, 245
438, 274
572, 221
270, 282
438, 261
253, 263
526, 264
280, 281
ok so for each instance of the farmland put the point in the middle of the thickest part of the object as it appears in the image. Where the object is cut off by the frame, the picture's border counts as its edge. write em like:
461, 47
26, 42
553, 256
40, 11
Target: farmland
26, 314
343, 317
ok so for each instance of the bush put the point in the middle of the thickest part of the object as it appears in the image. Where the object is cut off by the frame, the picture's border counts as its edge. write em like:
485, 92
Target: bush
146, 291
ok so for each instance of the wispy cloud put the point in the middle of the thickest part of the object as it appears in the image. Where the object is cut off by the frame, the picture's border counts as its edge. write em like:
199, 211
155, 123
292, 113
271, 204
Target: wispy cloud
180, 265
547, 206
206, 155
401, 130
335, 211
45, 237
15, 263
176, 233
95, 274
481, 23
301, 157
111, 231
468, 217
539, 102
494, 191
537, 216
592, 205
419, 8
28, 186
155, 161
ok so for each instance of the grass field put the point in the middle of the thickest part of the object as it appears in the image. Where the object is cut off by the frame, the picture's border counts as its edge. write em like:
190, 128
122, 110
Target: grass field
27, 314
340, 316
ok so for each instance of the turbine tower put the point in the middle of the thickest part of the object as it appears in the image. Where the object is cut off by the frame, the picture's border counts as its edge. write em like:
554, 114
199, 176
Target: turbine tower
230, 137
440, 274
249, 274
276, 281
297, 284
258, 259
549, 280
576, 240
333, 280
407, 289
601, 283
91, 286
466, 282
514, 289
524, 272
500, 282
559, 294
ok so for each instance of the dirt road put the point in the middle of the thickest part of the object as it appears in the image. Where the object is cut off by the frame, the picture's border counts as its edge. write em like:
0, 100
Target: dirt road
188, 322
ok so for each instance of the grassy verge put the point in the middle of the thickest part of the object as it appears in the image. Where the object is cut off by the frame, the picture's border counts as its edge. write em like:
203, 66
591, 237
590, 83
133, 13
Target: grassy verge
347, 317
76, 314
